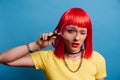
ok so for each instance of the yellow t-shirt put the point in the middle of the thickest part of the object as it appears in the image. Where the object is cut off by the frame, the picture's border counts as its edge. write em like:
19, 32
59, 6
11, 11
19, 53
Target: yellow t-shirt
55, 69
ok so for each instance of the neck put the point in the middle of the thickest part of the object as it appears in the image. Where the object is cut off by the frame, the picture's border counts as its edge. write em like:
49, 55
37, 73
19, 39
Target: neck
73, 55
77, 52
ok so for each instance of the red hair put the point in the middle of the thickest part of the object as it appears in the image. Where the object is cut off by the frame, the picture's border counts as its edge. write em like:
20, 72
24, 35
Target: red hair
80, 18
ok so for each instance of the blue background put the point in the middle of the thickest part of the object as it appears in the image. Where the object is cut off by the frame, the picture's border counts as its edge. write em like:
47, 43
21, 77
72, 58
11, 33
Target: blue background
22, 21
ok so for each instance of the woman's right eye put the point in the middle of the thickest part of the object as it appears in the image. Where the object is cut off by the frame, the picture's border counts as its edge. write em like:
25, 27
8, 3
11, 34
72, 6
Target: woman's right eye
71, 30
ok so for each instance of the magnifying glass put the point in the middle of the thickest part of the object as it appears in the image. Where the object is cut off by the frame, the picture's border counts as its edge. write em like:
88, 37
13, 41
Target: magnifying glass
68, 31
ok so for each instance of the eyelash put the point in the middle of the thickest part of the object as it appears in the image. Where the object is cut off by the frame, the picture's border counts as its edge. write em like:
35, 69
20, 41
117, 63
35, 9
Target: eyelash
70, 31
83, 33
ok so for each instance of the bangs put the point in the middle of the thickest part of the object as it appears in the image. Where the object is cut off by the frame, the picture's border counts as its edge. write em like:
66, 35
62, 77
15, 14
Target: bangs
79, 18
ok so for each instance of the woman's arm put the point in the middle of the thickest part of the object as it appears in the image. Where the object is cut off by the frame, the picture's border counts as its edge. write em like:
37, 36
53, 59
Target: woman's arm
19, 56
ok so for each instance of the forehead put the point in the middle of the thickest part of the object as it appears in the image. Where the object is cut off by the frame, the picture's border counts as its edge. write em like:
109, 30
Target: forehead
75, 27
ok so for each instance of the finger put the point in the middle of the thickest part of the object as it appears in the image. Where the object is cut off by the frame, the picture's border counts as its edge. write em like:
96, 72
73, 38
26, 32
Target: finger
52, 38
46, 36
43, 36
51, 33
55, 31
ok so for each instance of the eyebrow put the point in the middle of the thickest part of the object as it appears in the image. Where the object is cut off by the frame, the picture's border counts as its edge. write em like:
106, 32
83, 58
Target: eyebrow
72, 27
83, 30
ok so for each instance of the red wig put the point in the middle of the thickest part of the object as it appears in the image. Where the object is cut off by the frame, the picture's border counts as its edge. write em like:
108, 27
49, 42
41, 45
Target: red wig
80, 18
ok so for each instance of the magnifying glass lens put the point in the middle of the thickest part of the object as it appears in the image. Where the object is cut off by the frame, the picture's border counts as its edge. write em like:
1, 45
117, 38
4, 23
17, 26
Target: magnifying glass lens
68, 31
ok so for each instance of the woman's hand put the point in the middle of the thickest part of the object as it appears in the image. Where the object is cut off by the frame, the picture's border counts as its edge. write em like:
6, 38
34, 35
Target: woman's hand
44, 41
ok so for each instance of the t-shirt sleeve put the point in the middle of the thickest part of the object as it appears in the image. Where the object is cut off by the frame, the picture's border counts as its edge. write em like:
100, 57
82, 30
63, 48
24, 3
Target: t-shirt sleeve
39, 59
101, 67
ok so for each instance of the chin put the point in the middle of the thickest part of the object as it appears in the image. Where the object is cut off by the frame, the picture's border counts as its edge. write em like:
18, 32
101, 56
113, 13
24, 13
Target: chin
75, 49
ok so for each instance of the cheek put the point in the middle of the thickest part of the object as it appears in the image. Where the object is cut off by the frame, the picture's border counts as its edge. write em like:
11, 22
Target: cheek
68, 38
83, 38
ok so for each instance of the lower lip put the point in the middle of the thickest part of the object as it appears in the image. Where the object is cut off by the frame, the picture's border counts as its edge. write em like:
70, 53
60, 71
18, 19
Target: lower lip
75, 45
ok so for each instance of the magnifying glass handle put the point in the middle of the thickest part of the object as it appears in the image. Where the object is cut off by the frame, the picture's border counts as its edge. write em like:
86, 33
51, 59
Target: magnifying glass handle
55, 34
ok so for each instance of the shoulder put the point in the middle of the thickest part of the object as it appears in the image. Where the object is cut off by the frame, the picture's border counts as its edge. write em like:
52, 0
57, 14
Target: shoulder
45, 53
100, 63
96, 56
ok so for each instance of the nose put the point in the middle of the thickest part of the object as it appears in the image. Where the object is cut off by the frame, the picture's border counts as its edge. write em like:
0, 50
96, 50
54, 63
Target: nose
77, 37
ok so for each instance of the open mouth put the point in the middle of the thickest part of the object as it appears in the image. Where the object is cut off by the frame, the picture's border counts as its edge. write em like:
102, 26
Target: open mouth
75, 45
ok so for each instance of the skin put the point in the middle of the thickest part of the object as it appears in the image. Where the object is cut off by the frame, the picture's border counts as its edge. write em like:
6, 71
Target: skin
19, 56
74, 34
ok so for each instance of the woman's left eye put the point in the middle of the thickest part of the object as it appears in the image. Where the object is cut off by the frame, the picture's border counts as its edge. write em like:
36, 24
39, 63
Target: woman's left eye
83, 33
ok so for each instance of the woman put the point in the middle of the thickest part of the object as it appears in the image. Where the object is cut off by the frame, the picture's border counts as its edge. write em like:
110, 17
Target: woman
73, 57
